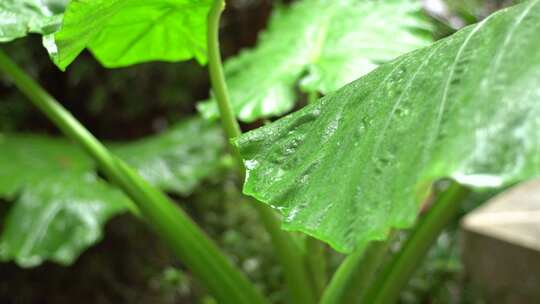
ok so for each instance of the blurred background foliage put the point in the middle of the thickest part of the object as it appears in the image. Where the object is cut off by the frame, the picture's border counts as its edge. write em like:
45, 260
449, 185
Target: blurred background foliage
130, 265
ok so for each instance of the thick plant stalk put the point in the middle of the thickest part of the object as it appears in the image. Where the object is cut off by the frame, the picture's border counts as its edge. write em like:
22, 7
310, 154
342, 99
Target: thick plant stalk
395, 275
315, 257
175, 227
355, 273
289, 255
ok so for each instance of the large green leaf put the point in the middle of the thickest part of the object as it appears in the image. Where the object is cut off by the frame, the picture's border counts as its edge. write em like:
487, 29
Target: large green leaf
20, 17
57, 218
323, 43
352, 166
60, 204
124, 32
180, 158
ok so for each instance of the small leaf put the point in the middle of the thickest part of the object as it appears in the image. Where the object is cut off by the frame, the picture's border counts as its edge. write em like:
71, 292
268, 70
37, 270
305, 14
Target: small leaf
60, 204
324, 44
20, 17
357, 163
124, 32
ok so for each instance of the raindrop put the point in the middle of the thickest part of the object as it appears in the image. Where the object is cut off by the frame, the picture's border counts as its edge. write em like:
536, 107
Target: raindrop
402, 111
251, 164
361, 129
295, 211
331, 128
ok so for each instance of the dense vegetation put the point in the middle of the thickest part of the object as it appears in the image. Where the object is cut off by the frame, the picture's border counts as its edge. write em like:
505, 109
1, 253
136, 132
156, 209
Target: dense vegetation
382, 116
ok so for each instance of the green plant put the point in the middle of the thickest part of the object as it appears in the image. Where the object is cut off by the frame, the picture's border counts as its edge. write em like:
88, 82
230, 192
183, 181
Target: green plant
348, 169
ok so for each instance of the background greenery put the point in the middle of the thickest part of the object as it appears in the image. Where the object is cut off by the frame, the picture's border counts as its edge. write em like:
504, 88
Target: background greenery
130, 265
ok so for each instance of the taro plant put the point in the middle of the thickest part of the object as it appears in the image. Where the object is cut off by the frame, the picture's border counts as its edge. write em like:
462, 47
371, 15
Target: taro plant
348, 169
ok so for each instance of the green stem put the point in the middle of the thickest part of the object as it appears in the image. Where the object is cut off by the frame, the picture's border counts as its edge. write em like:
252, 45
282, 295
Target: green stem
290, 256
184, 237
397, 273
355, 273
217, 79
316, 264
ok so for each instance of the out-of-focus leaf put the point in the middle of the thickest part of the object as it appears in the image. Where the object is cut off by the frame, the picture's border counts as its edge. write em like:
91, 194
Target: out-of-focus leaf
324, 44
60, 204
178, 159
58, 217
124, 32
352, 166
29, 159
20, 17
474, 10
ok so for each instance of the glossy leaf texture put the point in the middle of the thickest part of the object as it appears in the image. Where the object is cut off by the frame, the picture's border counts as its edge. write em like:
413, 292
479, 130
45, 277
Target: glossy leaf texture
60, 204
323, 44
20, 17
124, 32
357, 163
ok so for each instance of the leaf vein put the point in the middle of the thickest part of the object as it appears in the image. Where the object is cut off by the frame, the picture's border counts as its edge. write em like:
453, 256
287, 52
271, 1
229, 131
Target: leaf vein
400, 99
510, 34
144, 32
446, 88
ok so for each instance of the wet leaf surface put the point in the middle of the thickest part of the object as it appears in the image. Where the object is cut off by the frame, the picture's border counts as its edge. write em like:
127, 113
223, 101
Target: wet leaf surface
357, 163
20, 17
60, 204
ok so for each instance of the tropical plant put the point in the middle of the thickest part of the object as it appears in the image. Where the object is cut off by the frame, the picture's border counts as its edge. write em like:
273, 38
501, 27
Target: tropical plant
348, 169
